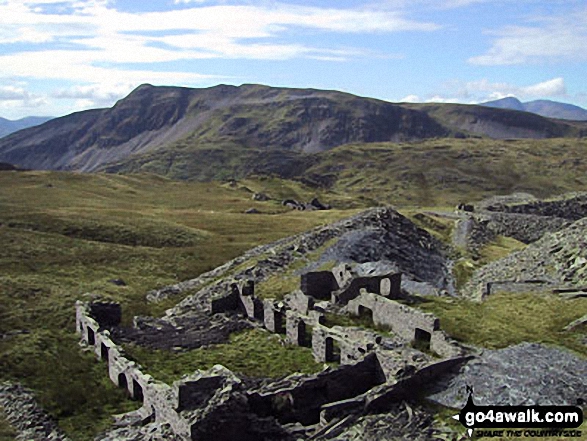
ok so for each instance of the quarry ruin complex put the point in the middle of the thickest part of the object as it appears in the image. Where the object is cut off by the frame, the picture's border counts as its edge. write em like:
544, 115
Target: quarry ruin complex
370, 361
394, 354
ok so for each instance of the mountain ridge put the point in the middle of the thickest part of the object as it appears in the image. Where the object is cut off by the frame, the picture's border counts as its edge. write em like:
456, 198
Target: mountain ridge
159, 119
546, 108
8, 126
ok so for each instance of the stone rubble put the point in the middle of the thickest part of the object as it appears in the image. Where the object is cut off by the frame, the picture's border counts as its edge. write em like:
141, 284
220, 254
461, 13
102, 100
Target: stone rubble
27, 417
525, 374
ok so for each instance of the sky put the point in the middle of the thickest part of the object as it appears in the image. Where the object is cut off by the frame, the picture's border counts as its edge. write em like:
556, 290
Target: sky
59, 57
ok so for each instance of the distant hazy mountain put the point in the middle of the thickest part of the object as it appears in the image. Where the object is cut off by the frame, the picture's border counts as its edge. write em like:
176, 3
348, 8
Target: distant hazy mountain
7, 126
549, 109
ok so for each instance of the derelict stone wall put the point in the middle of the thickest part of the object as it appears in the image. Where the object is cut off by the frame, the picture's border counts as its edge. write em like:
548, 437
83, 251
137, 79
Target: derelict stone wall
387, 286
301, 401
164, 403
346, 346
318, 284
517, 286
409, 323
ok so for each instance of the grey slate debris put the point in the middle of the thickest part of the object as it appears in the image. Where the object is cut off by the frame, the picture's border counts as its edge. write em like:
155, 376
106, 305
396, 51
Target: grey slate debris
23, 412
525, 374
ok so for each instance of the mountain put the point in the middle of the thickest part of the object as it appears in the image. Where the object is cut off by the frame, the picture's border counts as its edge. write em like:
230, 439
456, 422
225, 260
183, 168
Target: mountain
7, 126
553, 109
509, 102
547, 108
221, 125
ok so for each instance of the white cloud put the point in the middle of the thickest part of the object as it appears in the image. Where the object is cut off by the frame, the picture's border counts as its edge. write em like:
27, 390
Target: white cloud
483, 89
91, 42
411, 99
18, 97
11, 93
474, 92
551, 38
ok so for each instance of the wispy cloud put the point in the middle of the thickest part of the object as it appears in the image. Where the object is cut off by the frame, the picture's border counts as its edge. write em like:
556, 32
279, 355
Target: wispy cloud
95, 32
17, 96
108, 51
543, 39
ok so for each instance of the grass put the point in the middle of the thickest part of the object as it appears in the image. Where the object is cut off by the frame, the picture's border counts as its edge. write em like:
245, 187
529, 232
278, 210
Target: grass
439, 227
431, 173
253, 353
7, 432
280, 284
505, 319
65, 234
497, 249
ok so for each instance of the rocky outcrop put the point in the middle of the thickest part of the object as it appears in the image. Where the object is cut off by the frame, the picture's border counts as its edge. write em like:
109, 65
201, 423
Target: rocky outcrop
313, 205
526, 228
572, 207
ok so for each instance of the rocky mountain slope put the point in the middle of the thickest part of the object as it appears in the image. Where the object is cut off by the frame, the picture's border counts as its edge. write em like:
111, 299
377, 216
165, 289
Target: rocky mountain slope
546, 108
165, 120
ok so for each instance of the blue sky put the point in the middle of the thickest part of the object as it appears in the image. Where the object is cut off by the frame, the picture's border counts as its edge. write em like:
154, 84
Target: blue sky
61, 56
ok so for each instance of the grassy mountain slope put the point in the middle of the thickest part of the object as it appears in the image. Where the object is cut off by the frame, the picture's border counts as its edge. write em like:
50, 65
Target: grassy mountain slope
162, 120
434, 172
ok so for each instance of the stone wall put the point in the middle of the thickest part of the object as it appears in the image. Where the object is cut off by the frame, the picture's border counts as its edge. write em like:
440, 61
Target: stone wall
300, 399
518, 286
318, 284
573, 207
410, 324
344, 345
198, 405
387, 286
340, 285
194, 407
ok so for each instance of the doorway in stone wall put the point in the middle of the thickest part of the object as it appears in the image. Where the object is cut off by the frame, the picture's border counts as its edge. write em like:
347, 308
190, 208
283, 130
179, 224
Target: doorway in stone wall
91, 336
332, 350
422, 339
366, 316
104, 352
304, 335
122, 382
137, 390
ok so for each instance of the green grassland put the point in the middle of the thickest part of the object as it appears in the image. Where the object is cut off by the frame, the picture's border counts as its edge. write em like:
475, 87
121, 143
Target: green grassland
63, 235
431, 173
505, 319
267, 356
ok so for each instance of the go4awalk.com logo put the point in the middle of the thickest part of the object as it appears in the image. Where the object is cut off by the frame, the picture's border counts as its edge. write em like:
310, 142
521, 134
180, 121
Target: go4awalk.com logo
526, 421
